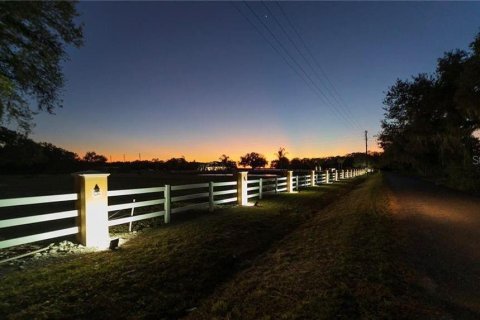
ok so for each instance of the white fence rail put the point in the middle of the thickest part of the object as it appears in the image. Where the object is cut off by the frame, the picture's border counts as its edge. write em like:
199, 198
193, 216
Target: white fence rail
19, 202
164, 201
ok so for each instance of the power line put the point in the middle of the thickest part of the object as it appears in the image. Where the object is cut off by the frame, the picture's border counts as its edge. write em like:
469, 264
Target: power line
333, 88
267, 40
366, 148
274, 48
345, 114
319, 93
316, 88
295, 29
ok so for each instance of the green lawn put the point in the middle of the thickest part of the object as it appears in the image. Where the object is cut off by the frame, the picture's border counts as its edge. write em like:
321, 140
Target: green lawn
166, 271
340, 264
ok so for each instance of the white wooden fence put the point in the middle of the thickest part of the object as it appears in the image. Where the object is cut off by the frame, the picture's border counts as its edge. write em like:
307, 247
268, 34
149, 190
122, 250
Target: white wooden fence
163, 202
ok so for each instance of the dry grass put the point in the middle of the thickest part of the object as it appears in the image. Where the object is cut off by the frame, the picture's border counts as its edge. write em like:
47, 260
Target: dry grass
341, 264
163, 272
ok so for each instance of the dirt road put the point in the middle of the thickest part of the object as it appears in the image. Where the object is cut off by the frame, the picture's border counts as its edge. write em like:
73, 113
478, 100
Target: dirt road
441, 230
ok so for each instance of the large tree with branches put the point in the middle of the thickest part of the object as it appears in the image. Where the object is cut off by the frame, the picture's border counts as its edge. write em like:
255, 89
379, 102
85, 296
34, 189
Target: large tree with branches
432, 121
33, 38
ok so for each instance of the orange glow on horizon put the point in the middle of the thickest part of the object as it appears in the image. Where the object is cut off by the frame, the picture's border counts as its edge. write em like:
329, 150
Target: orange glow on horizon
211, 152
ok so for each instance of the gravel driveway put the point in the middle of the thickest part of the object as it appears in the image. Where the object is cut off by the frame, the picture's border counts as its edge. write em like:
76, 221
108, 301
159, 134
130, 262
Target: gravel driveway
441, 228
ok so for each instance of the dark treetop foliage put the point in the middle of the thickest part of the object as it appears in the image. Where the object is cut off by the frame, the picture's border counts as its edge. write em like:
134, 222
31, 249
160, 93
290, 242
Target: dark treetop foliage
254, 160
226, 162
18, 154
93, 157
431, 120
33, 36
282, 162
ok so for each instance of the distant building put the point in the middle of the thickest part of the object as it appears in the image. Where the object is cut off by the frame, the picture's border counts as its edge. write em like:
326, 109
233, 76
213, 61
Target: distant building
212, 166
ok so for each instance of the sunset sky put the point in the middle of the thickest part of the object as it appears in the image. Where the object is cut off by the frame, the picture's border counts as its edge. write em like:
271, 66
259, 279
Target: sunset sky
196, 79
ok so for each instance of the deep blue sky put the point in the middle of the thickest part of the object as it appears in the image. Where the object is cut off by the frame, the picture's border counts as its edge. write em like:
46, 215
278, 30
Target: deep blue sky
196, 79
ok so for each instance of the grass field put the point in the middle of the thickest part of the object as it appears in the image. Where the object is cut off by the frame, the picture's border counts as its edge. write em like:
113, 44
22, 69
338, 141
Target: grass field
12, 186
329, 252
340, 264
165, 271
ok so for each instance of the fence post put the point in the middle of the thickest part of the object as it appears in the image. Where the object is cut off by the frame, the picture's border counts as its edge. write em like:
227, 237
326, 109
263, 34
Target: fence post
312, 178
289, 181
92, 206
260, 189
276, 185
130, 225
336, 175
297, 182
242, 198
167, 205
327, 178
211, 200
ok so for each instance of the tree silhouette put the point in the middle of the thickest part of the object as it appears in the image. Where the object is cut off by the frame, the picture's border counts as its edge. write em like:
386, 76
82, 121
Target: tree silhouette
282, 161
253, 160
226, 162
33, 36
430, 120
18, 153
224, 158
93, 157
281, 153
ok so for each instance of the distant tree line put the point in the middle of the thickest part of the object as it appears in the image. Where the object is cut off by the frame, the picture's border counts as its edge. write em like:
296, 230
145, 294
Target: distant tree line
432, 121
353, 160
20, 154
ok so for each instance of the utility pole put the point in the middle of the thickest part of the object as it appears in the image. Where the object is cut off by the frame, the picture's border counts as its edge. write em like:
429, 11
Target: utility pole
124, 157
366, 149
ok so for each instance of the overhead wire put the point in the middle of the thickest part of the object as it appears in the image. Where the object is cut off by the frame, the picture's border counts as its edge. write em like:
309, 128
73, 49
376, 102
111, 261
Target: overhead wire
267, 40
305, 75
313, 70
335, 94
